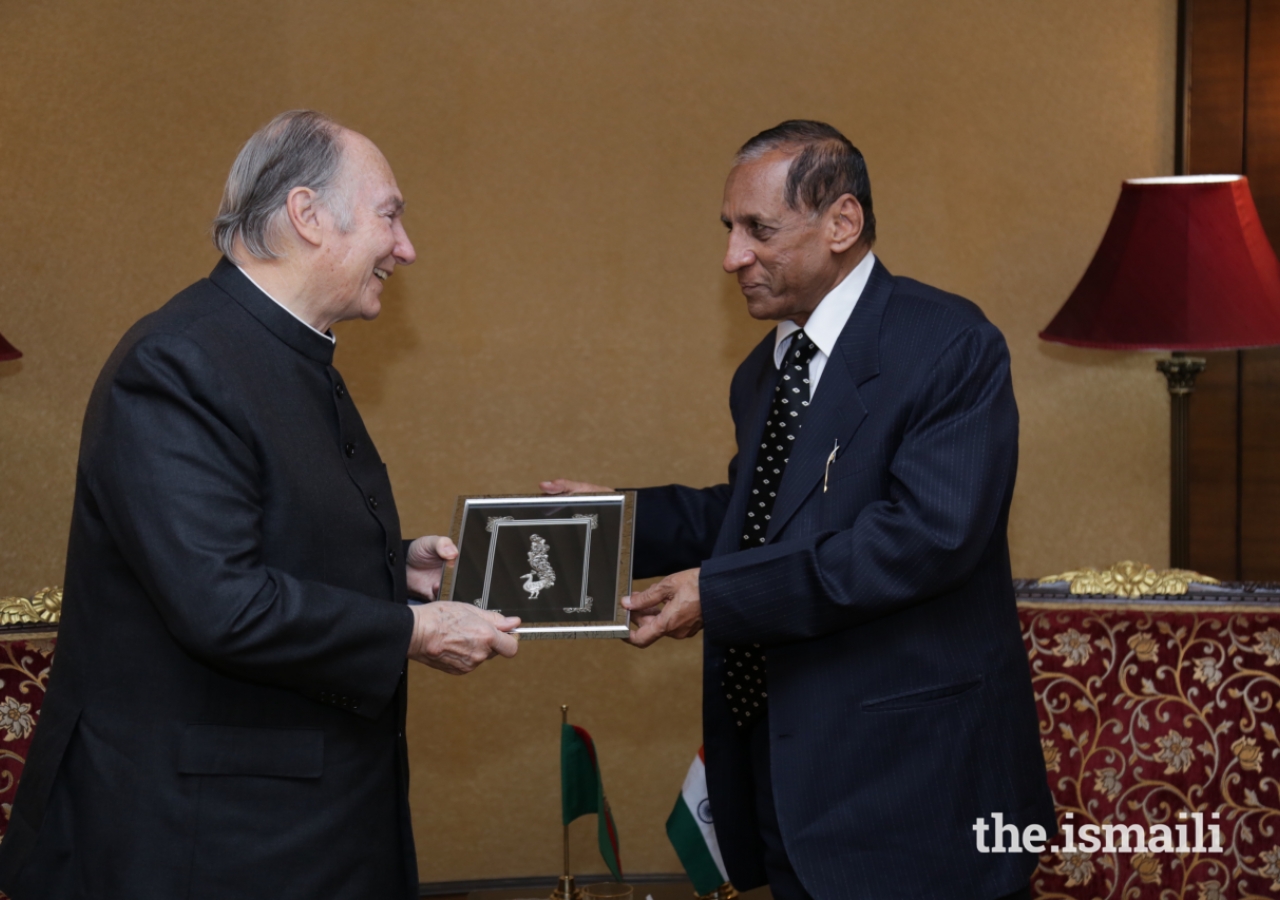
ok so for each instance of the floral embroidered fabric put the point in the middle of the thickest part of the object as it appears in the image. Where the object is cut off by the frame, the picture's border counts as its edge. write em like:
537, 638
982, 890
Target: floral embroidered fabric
1149, 711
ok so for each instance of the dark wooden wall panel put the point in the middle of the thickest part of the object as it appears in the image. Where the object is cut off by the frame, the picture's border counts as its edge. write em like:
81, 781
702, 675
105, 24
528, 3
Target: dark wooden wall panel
1260, 500
1215, 113
1233, 125
1262, 114
1218, 37
1260, 388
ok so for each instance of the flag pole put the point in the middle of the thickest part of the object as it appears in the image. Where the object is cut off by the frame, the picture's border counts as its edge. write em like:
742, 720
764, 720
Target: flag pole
566, 889
564, 720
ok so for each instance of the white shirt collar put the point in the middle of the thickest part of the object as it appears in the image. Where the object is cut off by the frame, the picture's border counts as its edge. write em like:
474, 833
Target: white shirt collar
328, 337
828, 320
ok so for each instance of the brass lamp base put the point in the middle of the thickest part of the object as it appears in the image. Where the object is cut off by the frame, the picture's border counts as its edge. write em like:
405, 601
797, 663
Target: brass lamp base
566, 889
726, 891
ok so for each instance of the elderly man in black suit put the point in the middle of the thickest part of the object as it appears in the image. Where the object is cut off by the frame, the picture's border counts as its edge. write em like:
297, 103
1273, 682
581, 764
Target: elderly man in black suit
225, 716
866, 696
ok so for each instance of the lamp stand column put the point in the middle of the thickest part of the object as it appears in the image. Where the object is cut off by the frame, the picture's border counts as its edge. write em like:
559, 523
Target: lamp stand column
1180, 372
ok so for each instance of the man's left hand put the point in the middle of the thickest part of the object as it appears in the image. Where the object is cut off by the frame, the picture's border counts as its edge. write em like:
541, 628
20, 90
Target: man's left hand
425, 562
670, 608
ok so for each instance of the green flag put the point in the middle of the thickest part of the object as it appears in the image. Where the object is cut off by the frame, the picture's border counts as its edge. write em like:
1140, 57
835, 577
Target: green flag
582, 791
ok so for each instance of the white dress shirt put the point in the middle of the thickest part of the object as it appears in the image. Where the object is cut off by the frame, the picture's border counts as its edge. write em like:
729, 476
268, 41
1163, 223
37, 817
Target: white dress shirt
826, 322
329, 336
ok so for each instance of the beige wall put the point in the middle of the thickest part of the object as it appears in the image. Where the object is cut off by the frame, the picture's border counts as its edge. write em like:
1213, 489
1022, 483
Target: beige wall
563, 161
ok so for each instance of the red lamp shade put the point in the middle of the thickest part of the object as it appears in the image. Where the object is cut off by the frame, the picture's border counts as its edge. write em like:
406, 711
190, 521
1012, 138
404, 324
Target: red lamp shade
1184, 265
8, 351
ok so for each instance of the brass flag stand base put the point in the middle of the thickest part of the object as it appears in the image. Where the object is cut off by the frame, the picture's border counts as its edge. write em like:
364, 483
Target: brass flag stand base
726, 891
565, 887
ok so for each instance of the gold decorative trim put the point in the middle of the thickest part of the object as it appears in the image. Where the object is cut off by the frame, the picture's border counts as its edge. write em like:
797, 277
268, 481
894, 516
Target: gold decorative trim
45, 608
1152, 606
1130, 579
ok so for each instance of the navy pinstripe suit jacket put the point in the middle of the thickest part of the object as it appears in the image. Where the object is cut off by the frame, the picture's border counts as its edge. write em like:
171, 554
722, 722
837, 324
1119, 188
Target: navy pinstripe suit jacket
900, 702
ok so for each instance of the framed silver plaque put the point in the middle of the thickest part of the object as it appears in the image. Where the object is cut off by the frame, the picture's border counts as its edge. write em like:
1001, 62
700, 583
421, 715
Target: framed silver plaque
562, 563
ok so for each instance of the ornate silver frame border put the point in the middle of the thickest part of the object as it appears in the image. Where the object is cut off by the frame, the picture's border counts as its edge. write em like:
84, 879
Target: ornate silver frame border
506, 507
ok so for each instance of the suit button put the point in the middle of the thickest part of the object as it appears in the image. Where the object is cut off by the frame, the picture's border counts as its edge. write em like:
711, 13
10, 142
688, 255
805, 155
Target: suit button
391, 557
349, 449
373, 501
341, 391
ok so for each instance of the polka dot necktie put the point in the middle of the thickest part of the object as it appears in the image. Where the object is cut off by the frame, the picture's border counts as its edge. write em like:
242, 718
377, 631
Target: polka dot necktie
744, 678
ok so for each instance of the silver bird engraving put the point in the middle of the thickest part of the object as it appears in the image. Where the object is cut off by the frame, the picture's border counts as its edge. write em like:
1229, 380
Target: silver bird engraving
542, 576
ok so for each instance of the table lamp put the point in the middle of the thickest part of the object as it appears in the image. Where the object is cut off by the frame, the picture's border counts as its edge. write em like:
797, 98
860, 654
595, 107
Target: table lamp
1184, 265
8, 351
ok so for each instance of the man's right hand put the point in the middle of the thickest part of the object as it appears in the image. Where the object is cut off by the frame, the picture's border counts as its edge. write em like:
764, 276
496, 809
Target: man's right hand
565, 486
457, 637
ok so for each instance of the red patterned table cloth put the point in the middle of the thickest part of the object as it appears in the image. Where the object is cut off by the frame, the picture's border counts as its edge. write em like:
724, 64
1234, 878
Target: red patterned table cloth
1152, 709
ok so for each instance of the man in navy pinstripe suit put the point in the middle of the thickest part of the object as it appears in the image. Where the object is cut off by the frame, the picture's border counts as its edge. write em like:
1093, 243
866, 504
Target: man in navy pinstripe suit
866, 695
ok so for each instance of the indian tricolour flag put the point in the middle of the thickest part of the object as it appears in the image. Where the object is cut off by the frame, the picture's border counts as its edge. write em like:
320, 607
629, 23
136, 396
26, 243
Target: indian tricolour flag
690, 831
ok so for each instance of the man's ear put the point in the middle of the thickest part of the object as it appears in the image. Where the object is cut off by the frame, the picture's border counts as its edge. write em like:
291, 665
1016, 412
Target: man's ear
303, 208
845, 221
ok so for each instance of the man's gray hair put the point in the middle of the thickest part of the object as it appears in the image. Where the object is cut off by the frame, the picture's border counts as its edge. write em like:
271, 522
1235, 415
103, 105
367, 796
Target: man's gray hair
299, 148
824, 168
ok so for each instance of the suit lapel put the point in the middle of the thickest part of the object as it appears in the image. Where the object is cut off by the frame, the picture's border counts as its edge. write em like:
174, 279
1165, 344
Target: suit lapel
837, 409
755, 415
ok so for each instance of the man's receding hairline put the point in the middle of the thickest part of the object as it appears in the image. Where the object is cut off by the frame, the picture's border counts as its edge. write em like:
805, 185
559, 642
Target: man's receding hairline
785, 154
788, 153
347, 142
